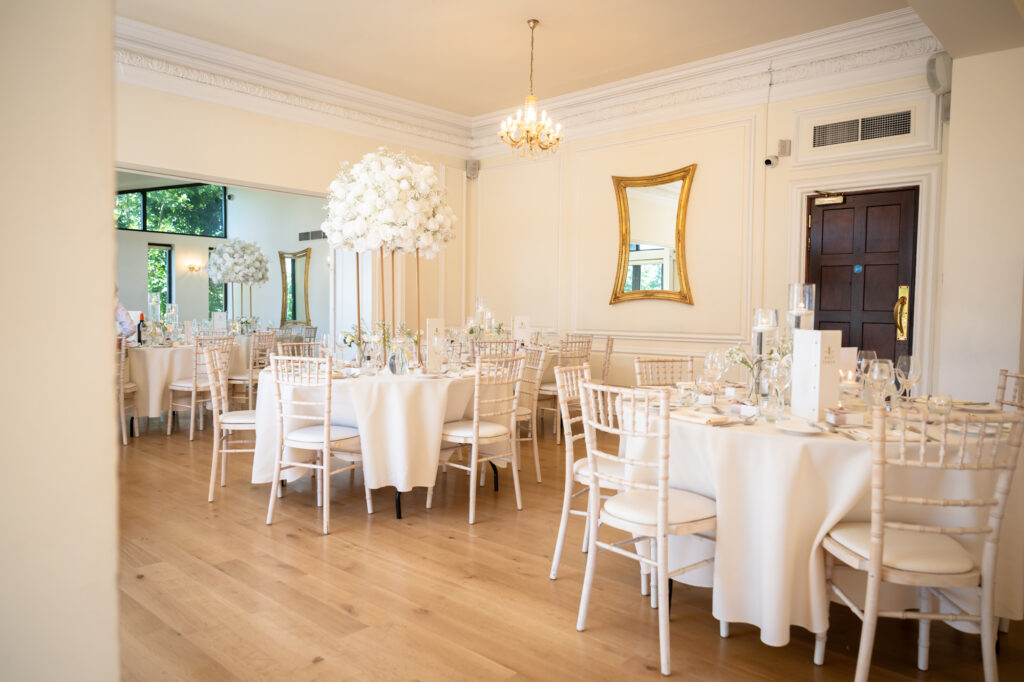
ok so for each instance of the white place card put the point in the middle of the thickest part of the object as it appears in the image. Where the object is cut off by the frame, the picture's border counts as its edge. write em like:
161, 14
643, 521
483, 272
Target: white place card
815, 372
435, 329
220, 319
521, 329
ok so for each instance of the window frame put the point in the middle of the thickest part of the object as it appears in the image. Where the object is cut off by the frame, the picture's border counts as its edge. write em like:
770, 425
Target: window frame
169, 248
142, 200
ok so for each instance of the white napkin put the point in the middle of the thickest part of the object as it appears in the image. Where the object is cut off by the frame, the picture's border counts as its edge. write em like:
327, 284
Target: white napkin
699, 418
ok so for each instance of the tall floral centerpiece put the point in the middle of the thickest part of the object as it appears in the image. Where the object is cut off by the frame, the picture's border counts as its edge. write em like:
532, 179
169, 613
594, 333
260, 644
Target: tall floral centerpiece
388, 202
242, 263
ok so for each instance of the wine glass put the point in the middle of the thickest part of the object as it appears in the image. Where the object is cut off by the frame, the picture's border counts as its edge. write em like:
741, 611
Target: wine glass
714, 368
880, 375
908, 371
940, 405
864, 360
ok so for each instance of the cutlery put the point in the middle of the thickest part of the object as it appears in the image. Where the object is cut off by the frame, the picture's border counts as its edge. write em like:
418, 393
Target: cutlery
844, 434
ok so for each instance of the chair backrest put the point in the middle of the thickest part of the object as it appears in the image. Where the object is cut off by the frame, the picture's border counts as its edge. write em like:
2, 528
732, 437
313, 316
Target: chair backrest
308, 333
311, 403
536, 338
663, 371
302, 349
121, 361
494, 349
609, 346
1015, 396
957, 447
222, 344
261, 347
574, 352
636, 414
496, 390
217, 363
533, 371
568, 381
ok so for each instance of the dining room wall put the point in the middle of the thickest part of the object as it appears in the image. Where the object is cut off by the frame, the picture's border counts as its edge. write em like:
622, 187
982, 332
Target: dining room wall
188, 137
544, 239
58, 510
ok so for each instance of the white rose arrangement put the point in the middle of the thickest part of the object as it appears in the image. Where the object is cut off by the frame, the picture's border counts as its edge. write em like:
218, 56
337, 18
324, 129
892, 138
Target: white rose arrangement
392, 200
238, 262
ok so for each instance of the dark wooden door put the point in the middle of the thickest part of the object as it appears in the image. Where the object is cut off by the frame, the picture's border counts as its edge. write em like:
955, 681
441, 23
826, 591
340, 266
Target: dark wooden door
859, 254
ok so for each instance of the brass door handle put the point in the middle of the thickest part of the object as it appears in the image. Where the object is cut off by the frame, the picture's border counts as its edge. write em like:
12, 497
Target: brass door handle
901, 313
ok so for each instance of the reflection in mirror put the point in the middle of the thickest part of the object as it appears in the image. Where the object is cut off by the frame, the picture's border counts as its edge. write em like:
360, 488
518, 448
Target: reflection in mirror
652, 220
294, 287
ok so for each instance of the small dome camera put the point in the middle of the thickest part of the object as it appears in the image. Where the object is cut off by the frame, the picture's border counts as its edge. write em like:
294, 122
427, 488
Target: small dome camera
771, 161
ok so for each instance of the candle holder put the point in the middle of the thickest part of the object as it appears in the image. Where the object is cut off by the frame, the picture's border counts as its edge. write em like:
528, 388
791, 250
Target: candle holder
763, 336
800, 314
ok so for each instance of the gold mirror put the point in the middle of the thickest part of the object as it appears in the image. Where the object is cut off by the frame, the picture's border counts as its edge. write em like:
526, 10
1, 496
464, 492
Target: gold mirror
652, 227
294, 287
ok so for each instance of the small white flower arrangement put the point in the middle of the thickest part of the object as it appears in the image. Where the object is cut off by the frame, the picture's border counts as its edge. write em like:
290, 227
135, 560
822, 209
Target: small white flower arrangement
238, 262
392, 200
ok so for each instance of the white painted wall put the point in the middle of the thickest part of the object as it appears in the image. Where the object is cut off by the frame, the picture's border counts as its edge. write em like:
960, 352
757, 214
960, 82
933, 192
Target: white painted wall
983, 240
58, 511
272, 220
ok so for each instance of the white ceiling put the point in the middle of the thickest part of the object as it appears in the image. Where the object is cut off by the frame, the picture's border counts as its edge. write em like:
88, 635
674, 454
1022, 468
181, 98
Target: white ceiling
472, 56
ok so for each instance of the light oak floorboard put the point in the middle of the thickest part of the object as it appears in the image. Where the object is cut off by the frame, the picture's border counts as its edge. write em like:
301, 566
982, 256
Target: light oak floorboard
209, 592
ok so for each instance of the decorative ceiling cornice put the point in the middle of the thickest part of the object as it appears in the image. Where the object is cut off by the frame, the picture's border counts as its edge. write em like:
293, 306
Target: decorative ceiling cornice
877, 49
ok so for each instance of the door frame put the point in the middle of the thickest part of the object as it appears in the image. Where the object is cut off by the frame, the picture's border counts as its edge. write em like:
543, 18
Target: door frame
927, 179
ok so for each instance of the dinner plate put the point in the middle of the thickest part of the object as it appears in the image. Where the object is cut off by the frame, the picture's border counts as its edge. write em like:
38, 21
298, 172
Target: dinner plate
795, 427
989, 407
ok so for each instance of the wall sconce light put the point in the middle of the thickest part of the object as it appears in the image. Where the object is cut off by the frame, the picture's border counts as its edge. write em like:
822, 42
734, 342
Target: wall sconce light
194, 267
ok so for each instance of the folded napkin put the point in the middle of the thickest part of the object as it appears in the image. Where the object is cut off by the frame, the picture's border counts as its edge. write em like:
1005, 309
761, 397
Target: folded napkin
700, 418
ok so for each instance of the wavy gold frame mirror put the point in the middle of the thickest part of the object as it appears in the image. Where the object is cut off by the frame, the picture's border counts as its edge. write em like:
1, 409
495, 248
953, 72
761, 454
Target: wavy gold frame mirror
683, 295
296, 255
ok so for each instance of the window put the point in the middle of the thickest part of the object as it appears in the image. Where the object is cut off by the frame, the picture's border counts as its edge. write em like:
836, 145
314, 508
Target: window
644, 276
159, 271
186, 209
218, 295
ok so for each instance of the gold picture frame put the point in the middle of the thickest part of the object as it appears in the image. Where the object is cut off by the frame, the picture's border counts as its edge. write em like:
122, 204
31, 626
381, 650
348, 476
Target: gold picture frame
683, 294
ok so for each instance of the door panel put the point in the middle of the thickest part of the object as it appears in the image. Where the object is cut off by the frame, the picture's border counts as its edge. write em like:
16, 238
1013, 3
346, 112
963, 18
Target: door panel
858, 254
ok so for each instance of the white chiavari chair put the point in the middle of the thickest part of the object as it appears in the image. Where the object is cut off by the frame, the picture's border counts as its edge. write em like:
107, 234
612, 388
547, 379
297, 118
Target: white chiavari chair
261, 345
647, 508
495, 398
196, 386
526, 412
606, 366
126, 391
494, 349
571, 353
663, 371
302, 391
301, 349
307, 333
225, 422
918, 540
1015, 397
536, 338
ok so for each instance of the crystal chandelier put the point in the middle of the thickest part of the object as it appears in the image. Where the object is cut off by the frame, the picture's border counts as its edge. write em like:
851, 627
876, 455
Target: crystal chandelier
528, 134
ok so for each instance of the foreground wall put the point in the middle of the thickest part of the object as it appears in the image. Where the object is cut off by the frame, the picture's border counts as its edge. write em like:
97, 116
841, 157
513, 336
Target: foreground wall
58, 510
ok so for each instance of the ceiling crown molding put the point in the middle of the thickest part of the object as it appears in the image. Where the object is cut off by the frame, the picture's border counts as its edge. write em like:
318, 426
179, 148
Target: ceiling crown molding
163, 60
877, 49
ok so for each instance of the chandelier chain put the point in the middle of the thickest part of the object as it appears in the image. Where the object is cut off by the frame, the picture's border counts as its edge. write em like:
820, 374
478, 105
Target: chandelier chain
533, 27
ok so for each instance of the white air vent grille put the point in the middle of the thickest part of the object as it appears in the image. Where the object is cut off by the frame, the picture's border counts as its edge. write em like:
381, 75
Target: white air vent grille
869, 128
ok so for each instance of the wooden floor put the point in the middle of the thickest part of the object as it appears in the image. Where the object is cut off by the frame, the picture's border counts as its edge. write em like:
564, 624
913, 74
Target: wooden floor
209, 592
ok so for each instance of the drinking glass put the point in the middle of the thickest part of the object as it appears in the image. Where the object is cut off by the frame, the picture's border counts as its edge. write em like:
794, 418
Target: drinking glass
864, 360
908, 371
880, 375
771, 407
851, 383
687, 393
940, 405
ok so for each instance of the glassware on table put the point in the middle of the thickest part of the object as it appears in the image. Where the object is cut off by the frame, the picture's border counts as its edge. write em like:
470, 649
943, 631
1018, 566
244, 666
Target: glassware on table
864, 360
908, 371
687, 394
851, 385
770, 407
940, 405
800, 312
879, 377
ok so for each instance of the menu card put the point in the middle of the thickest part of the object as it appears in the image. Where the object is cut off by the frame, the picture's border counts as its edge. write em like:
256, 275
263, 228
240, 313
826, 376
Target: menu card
815, 376
521, 328
220, 319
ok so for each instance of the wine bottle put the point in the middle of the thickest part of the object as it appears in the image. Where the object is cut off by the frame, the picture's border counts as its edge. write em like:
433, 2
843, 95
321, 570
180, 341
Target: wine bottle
140, 327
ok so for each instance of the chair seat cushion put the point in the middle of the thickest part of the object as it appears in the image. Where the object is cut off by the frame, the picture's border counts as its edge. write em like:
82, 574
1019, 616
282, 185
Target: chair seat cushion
244, 378
906, 550
641, 506
312, 435
464, 429
550, 387
523, 412
238, 417
130, 386
187, 383
581, 469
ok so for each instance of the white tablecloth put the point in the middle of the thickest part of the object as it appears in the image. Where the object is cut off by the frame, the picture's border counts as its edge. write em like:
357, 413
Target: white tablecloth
777, 496
152, 368
399, 420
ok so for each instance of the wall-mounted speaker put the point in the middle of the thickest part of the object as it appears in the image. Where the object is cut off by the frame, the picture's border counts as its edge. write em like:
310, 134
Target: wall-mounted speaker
940, 73
472, 169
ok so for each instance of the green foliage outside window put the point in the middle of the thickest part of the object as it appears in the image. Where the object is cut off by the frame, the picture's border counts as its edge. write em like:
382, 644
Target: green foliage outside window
647, 275
191, 209
157, 271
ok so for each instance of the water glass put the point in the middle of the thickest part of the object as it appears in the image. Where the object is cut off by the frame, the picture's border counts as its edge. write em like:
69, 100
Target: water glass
771, 407
908, 371
940, 405
880, 376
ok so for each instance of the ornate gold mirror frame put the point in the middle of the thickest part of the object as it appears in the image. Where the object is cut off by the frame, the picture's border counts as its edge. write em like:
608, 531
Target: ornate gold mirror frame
683, 295
284, 256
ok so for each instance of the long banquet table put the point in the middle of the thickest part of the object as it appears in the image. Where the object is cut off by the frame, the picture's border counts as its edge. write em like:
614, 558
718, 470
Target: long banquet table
399, 420
777, 496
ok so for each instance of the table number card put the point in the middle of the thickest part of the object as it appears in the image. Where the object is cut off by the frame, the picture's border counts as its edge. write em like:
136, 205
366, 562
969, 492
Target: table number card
435, 344
815, 376
521, 328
